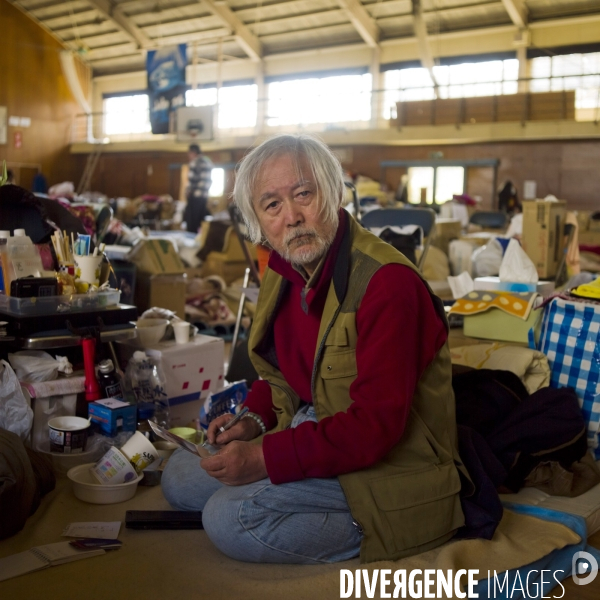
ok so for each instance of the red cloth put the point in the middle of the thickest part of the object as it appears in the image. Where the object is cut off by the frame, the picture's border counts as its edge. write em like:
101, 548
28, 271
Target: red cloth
399, 333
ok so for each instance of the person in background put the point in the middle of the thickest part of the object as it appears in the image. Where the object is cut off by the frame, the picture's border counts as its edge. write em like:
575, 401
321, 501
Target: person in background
355, 396
199, 182
10, 176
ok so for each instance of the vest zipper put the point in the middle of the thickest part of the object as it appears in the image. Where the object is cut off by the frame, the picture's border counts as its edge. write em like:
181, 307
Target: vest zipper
319, 352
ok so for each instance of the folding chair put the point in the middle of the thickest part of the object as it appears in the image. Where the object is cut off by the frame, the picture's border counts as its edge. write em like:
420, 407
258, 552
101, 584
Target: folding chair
489, 219
400, 217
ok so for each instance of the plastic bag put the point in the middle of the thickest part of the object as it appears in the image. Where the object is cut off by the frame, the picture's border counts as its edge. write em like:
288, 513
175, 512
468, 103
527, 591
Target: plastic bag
487, 260
517, 266
34, 365
15, 413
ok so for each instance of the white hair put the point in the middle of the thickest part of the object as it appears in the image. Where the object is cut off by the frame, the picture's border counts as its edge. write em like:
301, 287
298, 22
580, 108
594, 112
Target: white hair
325, 166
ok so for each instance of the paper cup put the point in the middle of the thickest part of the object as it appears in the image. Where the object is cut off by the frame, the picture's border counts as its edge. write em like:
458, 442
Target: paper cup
68, 434
87, 268
182, 332
140, 451
113, 468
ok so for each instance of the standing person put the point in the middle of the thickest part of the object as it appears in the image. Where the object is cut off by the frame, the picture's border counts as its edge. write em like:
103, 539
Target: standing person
355, 395
199, 182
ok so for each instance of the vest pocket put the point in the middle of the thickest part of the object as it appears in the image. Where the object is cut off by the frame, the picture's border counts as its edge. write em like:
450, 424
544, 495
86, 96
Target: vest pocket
338, 364
420, 506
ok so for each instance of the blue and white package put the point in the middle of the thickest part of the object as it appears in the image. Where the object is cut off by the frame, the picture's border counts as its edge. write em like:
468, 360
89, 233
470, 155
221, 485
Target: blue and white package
225, 401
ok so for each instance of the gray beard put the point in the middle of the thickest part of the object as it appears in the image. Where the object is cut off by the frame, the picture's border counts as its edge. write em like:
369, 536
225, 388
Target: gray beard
316, 246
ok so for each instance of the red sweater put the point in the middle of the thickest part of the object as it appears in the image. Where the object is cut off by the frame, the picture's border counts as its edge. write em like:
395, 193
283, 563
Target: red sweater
399, 333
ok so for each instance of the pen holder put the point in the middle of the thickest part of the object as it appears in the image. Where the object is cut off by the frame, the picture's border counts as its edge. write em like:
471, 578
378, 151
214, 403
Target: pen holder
87, 269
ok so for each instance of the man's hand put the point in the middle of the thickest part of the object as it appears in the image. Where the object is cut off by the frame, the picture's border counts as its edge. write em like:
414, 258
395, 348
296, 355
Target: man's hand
245, 430
237, 463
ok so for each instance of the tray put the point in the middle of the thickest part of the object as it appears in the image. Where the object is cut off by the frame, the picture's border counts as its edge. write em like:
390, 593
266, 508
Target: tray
53, 305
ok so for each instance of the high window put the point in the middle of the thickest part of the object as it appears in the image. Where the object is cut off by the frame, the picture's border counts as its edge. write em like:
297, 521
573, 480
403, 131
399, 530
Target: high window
579, 72
335, 99
237, 104
126, 114
489, 78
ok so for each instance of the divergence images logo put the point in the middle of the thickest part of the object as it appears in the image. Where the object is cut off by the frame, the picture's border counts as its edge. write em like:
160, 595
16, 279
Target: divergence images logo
585, 568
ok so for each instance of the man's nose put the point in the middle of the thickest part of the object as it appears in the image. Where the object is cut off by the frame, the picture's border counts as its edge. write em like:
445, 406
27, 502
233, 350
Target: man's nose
292, 213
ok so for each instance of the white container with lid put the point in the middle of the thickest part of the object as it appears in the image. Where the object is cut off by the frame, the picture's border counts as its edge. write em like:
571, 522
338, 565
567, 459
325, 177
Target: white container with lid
20, 259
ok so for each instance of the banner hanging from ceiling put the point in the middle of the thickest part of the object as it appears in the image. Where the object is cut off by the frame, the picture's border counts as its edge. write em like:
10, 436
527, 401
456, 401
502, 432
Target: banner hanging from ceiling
166, 84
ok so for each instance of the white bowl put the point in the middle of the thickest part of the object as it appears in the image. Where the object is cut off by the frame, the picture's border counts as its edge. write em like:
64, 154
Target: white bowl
150, 331
87, 488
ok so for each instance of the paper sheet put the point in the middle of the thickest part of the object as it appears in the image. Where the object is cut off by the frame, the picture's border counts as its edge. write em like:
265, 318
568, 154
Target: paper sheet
105, 530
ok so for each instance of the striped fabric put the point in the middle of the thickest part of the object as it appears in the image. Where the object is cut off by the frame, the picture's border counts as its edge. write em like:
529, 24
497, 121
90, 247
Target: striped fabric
570, 339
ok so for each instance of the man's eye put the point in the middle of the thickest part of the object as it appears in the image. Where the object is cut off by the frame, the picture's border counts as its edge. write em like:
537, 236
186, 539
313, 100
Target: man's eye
303, 193
272, 205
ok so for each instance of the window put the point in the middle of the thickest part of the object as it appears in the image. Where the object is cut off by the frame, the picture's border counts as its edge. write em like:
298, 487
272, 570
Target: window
489, 78
126, 114
218, 183
579, 72
336, 99
237, 104
448, 181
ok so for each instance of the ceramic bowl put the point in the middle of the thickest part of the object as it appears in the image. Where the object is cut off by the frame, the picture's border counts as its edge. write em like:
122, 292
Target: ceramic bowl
87, 488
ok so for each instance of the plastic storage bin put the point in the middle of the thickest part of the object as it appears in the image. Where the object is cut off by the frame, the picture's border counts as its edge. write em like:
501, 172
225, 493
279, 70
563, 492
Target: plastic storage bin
51, 305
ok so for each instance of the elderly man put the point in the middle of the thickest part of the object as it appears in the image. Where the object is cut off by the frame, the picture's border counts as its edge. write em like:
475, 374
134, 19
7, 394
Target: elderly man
355, 399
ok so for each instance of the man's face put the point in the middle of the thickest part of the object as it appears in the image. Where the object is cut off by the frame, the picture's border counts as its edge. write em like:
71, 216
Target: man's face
286, 202
192, 156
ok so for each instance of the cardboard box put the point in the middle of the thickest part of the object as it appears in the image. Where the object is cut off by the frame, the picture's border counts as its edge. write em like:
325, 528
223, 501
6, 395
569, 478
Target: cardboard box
543, 238
495, 324
446, 230
113, 416
545, 288
156, 256
162, 291
192, 371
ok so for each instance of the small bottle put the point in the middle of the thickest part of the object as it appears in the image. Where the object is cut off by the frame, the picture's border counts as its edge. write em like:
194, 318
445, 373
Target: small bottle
109, 380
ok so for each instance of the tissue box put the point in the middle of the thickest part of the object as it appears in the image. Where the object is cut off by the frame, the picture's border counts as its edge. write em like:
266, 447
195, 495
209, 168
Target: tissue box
544, 288
495, 324
113, 416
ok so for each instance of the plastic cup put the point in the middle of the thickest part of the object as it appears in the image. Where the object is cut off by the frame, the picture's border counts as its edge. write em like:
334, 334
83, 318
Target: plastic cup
87, 268
187, 433
140, 451
182, 332
113, 468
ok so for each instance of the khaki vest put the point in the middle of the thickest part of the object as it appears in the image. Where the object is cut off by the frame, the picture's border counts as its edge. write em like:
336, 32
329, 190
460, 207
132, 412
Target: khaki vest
408, 502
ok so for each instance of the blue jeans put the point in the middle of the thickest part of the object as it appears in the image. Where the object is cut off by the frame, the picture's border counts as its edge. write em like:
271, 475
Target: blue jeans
303, 522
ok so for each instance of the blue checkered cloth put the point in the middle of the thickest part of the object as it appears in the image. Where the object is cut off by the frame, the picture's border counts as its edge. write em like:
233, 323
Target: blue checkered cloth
570, 339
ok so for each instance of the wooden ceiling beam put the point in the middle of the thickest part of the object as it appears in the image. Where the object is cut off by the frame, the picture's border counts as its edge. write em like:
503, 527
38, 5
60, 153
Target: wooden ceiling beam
517, 11
250, 43
362, 21
123, 22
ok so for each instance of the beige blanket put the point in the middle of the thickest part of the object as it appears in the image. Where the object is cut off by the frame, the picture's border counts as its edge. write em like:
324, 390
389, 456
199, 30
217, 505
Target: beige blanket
178, 565
530, 366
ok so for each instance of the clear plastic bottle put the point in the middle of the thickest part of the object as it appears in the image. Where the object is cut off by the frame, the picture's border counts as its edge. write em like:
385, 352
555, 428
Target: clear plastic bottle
145, 385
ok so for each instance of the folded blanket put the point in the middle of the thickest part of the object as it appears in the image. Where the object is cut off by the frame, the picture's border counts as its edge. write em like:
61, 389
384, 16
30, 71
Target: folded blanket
530, 366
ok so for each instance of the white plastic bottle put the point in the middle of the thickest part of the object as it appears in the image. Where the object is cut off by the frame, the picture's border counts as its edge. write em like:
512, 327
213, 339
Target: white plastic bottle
4, 235
21, 259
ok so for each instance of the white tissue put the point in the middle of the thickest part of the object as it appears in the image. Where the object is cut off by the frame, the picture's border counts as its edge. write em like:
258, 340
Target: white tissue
461, 285
516, 266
